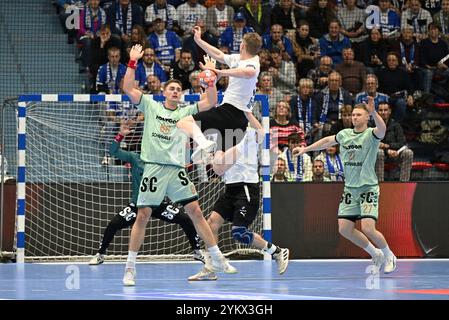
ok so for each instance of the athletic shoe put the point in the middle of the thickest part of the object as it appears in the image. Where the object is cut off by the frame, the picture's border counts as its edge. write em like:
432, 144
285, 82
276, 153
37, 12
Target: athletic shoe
378, 261
221, 265
129, 279
201, 154
198, 256
97, 259
282, 260
390, 264
204, 275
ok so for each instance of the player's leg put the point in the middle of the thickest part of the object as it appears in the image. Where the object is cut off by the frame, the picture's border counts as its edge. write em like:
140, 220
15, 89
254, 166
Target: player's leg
215, 222
123, 219
218, 261
226, 120
152, 191
246, 208
349, 211
172, 213
369, 228
281, 255
224, 160
181, 190
189, 126
135, 241
369, 210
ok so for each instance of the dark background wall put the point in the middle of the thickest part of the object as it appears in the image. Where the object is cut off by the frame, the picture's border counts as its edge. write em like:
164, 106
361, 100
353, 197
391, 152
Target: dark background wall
413, 217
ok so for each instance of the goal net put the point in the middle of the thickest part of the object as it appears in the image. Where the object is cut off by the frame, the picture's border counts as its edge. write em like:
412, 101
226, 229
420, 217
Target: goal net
74, 187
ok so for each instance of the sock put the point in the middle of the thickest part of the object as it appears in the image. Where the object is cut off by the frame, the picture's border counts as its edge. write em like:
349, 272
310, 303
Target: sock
370, 249
198, 136
386, 251
131, 261
215, 253
271, 248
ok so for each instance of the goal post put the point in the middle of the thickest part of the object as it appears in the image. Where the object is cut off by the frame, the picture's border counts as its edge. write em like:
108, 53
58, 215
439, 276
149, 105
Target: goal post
67, 193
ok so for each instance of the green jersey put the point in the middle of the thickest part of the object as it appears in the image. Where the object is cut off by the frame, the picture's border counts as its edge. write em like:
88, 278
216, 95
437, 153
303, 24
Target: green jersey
162, 142
136, 166
358, 152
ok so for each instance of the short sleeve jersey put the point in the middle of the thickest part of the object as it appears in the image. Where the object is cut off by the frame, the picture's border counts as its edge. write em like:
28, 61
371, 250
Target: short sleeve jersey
240, 92
162, 142
358, 152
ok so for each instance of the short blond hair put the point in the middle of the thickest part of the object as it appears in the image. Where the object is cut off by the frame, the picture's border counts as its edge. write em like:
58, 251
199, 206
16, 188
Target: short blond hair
253, 42
361, 106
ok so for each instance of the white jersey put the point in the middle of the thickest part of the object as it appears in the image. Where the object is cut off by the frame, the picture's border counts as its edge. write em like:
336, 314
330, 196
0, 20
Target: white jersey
246, 167
240, 92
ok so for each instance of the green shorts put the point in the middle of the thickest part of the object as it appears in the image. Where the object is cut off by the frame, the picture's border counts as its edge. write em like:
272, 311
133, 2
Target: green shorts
159, 181
359, 203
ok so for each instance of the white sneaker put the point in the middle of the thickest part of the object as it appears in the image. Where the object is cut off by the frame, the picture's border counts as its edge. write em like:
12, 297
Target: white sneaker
222, 265
390, 264
378, 261
129, 279
198, 256
202, 153
97, 259
282, 260
204, 275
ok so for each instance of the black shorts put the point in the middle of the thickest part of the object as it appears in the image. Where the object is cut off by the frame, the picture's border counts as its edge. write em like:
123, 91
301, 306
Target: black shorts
233, 205
227, 121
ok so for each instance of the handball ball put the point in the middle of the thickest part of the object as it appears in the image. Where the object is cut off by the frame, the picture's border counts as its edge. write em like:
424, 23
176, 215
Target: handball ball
207, 78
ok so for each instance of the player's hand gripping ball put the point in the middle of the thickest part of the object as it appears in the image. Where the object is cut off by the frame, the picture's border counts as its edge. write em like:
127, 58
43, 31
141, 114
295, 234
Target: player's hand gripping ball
207, 78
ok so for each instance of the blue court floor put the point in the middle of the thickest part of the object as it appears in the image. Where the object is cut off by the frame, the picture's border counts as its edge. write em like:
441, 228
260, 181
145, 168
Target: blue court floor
256, 280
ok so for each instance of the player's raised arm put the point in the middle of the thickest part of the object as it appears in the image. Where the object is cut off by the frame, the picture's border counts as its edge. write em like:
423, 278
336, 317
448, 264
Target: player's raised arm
208, 80
246, 72
129, 80
321, 144
210, 50
380, 128
114, 148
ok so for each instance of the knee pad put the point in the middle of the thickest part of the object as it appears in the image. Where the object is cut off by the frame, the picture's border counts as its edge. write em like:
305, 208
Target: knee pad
242, 234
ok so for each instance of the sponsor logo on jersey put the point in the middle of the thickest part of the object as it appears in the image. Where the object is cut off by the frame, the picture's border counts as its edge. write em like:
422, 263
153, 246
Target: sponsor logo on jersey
160, 136
353, 146
172, 121
165, 129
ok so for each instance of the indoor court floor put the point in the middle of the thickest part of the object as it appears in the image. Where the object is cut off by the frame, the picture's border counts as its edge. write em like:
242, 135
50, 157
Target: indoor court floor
257, 280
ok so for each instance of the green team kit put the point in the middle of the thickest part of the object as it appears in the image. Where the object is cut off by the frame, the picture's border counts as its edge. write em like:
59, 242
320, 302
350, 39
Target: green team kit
358, 151
164, 155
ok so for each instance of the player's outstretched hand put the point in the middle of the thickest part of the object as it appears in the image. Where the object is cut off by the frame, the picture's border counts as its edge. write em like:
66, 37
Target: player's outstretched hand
209, 64
196, 33
299, 151
125, 127
370, 105
136, 52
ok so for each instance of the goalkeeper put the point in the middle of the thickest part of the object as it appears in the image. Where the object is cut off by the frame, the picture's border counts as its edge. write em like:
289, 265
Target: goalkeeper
167, 211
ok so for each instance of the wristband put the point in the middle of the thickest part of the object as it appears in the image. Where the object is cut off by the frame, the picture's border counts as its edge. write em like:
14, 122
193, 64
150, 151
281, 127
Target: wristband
119, 137
132, 64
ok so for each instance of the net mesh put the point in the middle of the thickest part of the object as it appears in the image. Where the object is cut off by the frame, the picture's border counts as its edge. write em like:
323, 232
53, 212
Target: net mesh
74, 188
